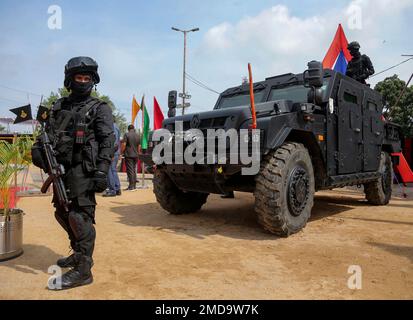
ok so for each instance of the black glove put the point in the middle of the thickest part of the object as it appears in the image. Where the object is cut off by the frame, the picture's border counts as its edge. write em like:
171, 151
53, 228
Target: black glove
38, 157
101, 181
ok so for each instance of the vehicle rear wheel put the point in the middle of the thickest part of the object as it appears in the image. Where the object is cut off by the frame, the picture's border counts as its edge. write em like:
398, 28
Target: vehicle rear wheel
379, 192
284, 193
174, 200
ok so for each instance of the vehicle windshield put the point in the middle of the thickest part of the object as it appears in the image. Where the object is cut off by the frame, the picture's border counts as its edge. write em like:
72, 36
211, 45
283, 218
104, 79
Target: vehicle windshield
294, 92
242, 99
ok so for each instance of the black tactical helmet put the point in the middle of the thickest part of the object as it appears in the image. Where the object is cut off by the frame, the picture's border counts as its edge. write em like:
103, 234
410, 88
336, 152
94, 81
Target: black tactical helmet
81, 65
353, 46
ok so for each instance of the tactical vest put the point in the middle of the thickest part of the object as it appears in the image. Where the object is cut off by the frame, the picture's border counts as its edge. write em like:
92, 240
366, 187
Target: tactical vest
358, 68
71, 132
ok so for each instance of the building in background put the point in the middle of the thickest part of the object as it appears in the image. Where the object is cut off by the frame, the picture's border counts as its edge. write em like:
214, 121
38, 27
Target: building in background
21, 128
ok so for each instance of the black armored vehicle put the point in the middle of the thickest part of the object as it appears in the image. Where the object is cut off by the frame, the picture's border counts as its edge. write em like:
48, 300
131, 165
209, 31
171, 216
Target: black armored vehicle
318, 130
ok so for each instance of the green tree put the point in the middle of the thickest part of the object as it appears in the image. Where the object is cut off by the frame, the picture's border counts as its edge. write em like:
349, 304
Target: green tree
120, 118
402, 113
51, 99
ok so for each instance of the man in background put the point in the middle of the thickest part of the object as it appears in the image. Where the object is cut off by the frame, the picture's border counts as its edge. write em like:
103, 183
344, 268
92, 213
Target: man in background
131, 142
113, 177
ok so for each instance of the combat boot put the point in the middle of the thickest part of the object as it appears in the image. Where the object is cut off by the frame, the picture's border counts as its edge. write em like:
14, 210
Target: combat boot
70, 261
80, 275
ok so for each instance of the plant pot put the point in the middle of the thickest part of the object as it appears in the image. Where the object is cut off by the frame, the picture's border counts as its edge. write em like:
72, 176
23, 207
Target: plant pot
11, 235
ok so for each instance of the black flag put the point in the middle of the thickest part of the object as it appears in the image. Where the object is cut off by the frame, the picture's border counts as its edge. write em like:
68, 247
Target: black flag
42, 114
23, 114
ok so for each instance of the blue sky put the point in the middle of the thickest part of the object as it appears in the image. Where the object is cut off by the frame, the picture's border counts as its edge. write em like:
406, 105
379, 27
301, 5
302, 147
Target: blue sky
138, 53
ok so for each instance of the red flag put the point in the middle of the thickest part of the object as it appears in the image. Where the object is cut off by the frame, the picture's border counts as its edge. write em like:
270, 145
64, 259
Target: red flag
157, 115
338, 55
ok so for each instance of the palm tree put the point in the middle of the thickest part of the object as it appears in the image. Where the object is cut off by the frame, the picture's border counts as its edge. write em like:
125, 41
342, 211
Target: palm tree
13, 159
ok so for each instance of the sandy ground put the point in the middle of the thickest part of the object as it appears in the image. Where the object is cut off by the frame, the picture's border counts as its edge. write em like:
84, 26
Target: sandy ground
221, 252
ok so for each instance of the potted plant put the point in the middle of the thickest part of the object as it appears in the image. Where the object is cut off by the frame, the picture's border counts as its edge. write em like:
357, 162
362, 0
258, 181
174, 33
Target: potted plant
14, 157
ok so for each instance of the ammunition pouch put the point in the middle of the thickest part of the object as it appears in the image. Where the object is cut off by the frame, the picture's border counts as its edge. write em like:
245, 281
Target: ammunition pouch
89, 155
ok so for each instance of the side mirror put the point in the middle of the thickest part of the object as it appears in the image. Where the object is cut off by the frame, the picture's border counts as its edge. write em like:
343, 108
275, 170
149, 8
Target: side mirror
315, 74
172, 96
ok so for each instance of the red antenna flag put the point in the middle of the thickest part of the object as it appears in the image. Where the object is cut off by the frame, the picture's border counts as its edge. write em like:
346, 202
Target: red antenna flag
254, 116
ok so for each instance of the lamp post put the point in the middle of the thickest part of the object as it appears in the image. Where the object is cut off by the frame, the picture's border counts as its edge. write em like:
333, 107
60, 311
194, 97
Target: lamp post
183, 95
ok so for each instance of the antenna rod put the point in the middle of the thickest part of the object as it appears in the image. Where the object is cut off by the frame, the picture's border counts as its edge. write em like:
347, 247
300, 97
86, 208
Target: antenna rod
254, 116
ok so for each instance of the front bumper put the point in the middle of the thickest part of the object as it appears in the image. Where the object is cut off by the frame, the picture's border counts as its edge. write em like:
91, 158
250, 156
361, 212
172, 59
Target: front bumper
217, 178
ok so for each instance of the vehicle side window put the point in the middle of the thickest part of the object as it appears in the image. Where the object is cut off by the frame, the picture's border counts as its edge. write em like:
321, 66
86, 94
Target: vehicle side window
372, 106
294, 93
348, 97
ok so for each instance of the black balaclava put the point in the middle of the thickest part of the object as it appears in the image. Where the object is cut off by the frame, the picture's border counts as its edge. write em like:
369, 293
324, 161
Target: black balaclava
81, 89
355, 53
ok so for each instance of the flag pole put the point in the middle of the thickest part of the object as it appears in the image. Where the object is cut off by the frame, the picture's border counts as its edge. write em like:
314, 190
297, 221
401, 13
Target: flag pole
134, 99
143, 125
41, 101
28, 99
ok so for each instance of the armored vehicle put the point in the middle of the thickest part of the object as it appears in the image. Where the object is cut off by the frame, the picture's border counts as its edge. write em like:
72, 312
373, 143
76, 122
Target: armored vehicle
318, 130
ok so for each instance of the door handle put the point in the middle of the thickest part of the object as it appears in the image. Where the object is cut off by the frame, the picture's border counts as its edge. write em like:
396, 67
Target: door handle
358, 130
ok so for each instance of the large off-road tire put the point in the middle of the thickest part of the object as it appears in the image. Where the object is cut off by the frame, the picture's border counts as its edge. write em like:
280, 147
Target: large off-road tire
284, 193
379, 192
174, 200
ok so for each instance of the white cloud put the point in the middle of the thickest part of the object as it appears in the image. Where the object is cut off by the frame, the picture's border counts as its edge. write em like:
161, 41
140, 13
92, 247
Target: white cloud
273, 30
276, 41
218, 37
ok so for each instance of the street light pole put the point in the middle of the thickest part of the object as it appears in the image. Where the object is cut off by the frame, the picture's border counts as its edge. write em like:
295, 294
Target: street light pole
184, 76
183, 94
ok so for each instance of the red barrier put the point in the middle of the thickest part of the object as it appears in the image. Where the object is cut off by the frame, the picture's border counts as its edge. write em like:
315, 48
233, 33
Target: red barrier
13, 198
403, 168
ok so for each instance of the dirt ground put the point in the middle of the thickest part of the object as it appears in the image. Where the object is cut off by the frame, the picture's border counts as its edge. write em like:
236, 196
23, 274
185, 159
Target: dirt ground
221, 252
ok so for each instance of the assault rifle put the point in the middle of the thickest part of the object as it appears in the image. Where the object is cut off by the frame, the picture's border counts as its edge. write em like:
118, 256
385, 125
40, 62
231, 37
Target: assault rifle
55, 172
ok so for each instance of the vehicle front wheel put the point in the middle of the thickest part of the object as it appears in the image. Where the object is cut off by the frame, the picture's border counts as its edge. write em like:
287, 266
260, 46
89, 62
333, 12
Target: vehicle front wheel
173, 199
284, 193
